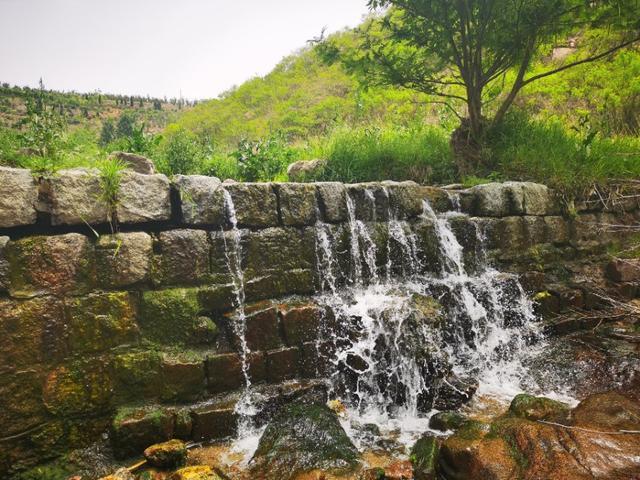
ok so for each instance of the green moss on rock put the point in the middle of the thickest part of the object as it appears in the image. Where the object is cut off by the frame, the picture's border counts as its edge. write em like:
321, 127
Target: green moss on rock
537, 408
170, 316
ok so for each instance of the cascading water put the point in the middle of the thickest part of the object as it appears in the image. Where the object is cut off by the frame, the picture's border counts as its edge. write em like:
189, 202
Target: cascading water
246, 405
407, 336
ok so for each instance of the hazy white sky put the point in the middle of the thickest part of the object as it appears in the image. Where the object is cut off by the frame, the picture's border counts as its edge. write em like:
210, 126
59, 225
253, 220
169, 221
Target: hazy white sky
158, 47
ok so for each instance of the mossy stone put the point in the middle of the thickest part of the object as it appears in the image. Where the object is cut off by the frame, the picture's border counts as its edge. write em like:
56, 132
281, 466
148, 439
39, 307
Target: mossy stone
303, 438
100, 322
170, 316
537, 408
82, 387
424, 456
444, 421
138, 375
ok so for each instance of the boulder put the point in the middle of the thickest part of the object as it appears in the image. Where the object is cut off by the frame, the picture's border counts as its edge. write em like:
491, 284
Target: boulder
76, 196
197, 472
143, 198
123, 259
201, 199
135, 162
302, 438
171, 454
18, 197
306, 170
588, 444
133, 430
537, 408
444, 421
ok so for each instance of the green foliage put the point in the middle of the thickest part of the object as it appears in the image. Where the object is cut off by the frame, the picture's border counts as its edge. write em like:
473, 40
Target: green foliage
125, 126
263, 160
181, 152
110, 176
108, 132
546, 152
44, 133
419, 153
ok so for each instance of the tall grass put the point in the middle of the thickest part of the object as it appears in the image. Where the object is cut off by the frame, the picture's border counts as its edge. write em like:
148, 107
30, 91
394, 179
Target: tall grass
419, 153
545, 151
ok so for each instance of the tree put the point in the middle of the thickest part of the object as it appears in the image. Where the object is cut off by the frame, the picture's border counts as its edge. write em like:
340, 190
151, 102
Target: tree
125, 126
108, 132
463, 51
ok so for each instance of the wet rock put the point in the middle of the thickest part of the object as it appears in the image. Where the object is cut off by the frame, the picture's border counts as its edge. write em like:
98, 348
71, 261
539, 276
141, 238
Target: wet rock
298, 205
201, 199
137, 163
623, 270
183, 257
102, 321
198, 472
60, 264
280, 261
183, 376
170, 316
302, 438
171, 454
453, 392
224, 371
215, 421
143, 198
537, 408
424, 455
256, 204
301, 322
4, 264
283, 364
557, 230
306, 170
508, 198
18, 197
133, 430
76, 196
121, 474
123, 259
333, 201
584, 446
137, 374
444, 421
262, 331
370, 201
80, 387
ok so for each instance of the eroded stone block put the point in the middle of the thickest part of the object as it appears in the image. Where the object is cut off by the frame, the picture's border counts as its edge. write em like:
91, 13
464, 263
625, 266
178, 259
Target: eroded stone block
123, 259
76, 196
61, 264
333, 201
18, 197
297, 201
183, 257
255, 204
201, 199
143, 198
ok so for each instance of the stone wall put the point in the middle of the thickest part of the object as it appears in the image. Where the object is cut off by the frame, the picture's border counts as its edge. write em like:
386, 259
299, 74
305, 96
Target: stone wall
131, 332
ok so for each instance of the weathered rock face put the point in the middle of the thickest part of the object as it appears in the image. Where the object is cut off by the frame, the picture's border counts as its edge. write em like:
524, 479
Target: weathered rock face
18, 197
124, 259
143, 198
137, 163
589, 444
303, 438
202, 199
166, 455
76, 196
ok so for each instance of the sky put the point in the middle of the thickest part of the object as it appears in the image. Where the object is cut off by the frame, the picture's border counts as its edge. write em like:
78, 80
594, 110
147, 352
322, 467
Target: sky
193, 48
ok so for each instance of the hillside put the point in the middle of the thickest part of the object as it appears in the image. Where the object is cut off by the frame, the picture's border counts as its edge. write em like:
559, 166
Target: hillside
303, 97
88, 109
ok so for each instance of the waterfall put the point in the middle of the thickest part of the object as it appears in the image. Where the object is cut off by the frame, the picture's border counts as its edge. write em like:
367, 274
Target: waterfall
245, 407
402, 338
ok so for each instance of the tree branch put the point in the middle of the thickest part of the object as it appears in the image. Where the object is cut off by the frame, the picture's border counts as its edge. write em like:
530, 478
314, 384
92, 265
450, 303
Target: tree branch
581, 62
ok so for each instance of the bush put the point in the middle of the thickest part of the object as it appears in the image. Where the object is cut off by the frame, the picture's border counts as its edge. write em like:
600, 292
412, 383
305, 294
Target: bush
181, 152
419, 153
264, 160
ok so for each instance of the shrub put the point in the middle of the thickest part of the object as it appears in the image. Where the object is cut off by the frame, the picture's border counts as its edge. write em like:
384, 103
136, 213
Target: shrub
181, 152
264, 160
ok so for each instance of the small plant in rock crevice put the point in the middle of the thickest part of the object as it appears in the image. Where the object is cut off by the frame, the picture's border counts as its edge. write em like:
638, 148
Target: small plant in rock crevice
110, 177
